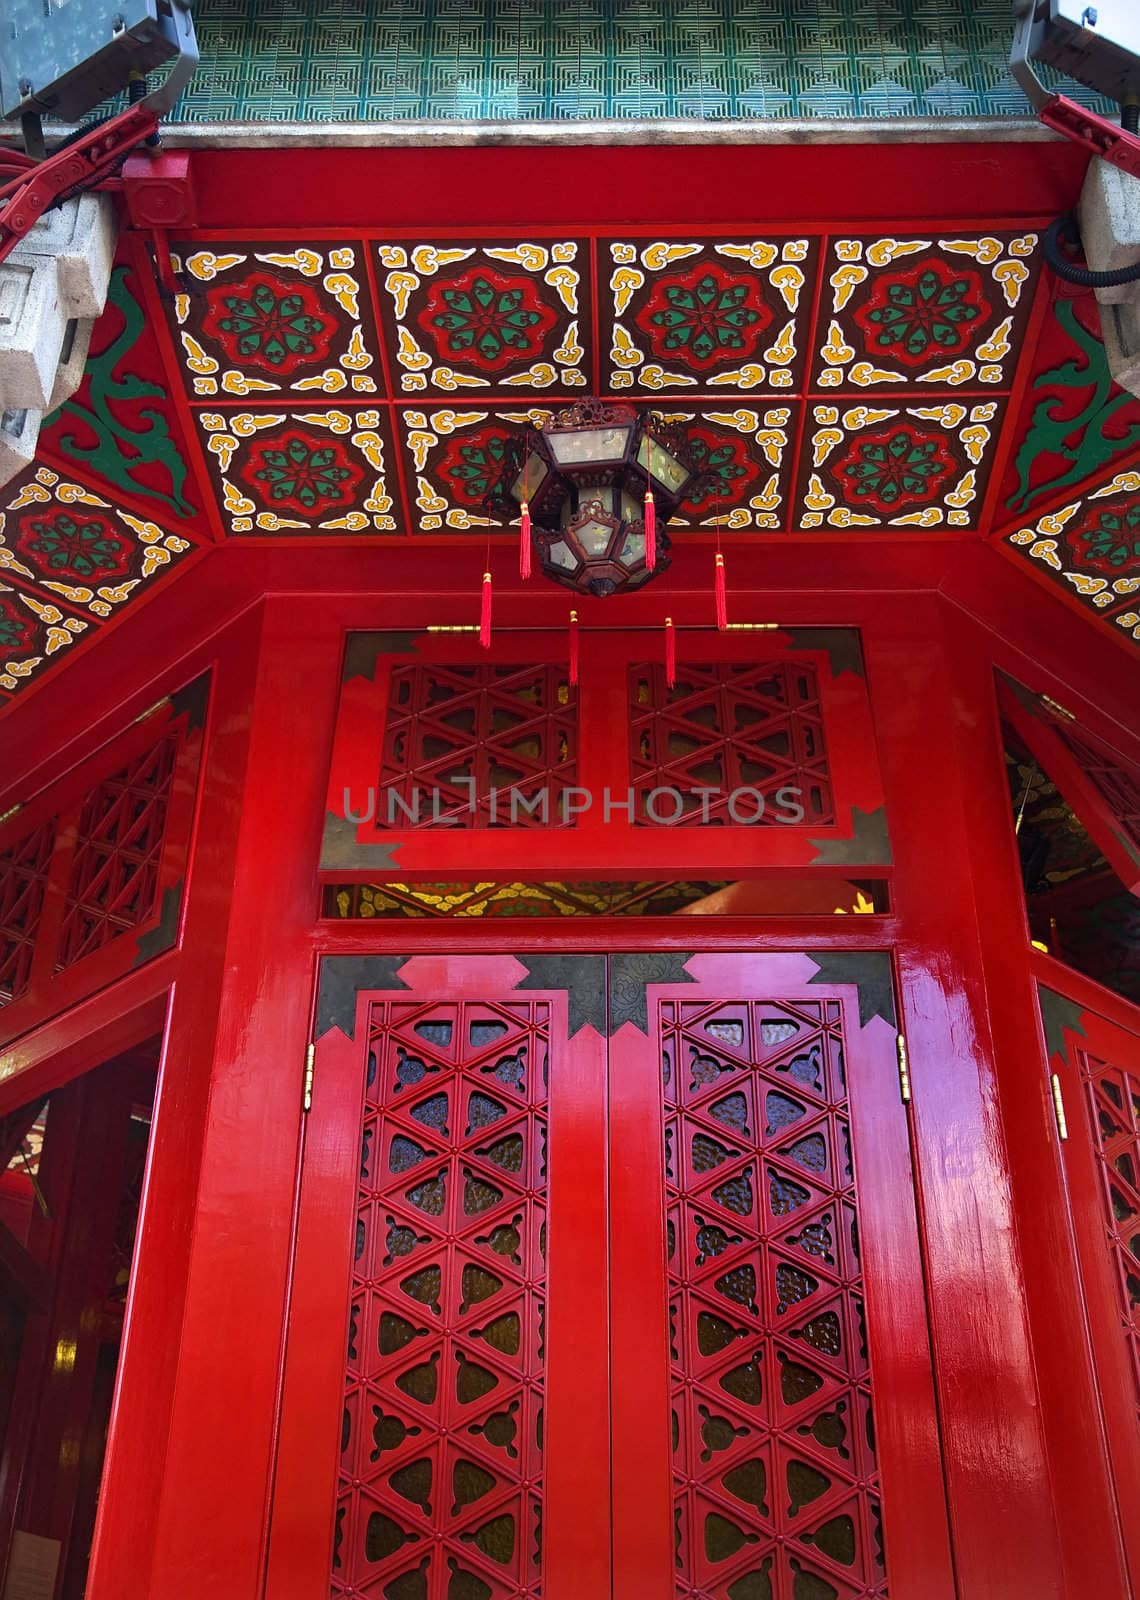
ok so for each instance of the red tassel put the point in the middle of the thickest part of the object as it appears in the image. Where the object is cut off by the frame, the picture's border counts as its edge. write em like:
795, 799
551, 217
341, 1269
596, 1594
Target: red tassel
485, 613
650, 531
721, 595
670, 653
524, 542
573, 647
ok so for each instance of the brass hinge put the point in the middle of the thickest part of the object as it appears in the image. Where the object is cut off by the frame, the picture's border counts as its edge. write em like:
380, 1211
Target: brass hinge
150, 710
1059, 1109
1056, 708
307, 1097
11, 812
904, 1069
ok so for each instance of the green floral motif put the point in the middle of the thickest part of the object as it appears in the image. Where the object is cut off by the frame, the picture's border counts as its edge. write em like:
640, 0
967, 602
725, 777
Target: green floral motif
490, 318
1110, 542
1083, 439
15, 632
892, 469
720, 466
924, 311
81, 547
120, 450
302, 474
706, 319
477, 466
277, 328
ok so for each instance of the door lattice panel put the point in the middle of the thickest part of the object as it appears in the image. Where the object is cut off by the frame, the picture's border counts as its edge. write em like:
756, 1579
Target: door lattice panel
114, 874
460, 733
726, 728
441, 1464
775, 1475
1114, 1117
1116, 785
23, 878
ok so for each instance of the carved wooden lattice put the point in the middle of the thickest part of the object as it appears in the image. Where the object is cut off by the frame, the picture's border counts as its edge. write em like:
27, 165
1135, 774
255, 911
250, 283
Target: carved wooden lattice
23, 878
1113, 1098
441, 1466
479, 746
773, 1440
1116, 784
114, 874
727, 728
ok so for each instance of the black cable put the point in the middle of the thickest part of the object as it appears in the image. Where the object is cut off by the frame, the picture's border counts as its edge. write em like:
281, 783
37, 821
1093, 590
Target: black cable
1066, 228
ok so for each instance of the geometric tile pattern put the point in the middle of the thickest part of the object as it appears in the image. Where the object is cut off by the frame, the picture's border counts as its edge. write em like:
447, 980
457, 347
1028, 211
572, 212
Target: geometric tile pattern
707, 315
916, 312
366, 385
441, 1444
756, 728
775, 1477
464, 315
1114, 1120
536, 59
1091, 546
291, 319
875, 465
301, 471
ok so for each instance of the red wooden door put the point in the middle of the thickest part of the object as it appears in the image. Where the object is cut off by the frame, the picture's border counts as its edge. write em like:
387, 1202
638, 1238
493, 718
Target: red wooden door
1095, 1062
607, 1282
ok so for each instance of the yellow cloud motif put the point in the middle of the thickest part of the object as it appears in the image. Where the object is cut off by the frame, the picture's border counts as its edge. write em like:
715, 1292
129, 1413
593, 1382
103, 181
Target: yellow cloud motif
531, 256
400, 285
427, 259
331, 381
237, 383
307, 262
623, 351
844, 281
746, 377
624, 281
655, 377
345, 291
566, 281
957, 372
759, 253
205, 265
660, 255
884, 251
409, 354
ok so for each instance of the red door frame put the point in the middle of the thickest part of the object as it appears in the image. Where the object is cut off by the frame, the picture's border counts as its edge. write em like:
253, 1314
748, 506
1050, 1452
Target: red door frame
215, 1245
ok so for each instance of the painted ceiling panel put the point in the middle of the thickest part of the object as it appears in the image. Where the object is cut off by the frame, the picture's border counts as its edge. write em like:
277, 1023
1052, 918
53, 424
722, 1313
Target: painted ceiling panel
883, 384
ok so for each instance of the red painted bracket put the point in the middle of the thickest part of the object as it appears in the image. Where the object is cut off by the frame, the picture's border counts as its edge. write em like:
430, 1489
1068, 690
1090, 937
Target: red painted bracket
1094, 133
81, 165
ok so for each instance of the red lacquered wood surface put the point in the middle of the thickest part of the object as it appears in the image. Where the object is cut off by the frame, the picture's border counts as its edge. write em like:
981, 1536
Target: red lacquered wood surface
546, 1435
1097, 1063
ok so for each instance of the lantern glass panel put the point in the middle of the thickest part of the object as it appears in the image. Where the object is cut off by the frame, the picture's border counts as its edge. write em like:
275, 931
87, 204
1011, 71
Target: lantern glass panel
662, 467
531, 479
579, 447
561, 555
594, 537
633, 550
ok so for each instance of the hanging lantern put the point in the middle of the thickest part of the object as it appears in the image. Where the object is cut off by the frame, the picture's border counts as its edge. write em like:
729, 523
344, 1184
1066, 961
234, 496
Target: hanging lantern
588, 481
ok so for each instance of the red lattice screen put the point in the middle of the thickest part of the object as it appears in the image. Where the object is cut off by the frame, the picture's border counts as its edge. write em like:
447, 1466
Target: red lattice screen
727, 728
23, 878
441, 1460
1116, 784
1113, 1098
114, 874
775, 1477
478, 746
